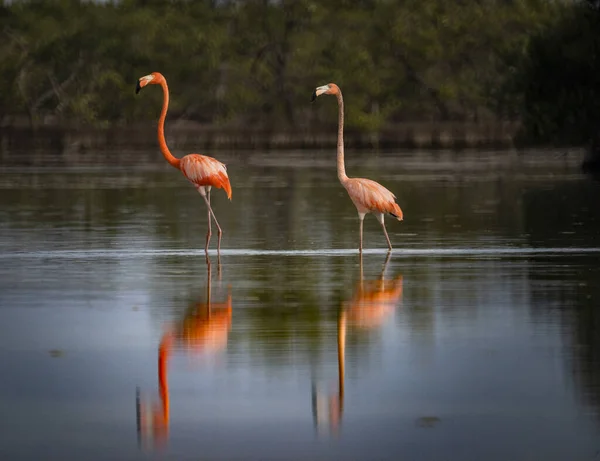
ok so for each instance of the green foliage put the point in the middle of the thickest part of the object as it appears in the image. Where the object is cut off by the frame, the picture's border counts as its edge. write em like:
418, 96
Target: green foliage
256, 62
559, 79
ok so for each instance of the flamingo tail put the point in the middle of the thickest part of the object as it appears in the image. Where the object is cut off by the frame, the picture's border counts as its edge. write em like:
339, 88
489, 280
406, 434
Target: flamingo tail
222, 181
396, 211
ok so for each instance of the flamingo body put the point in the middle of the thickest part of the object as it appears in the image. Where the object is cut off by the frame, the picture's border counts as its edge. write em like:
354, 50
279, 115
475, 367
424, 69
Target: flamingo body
374, 302
202, 170
200, 332
371, 197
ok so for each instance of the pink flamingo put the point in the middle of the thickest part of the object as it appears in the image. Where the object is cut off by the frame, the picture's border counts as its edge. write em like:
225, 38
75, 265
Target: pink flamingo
372, 304
205, 327
202, 171
368, 196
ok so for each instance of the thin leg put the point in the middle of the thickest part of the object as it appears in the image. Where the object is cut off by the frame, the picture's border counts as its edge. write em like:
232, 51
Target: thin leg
380, 219
208, 286
361, 217
220, 232
219, 269
360, 266
387, 237
382, 276
387, 260
209, 233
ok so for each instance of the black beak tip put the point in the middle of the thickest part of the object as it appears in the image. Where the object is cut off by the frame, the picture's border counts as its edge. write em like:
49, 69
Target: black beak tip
314, 96
137, 87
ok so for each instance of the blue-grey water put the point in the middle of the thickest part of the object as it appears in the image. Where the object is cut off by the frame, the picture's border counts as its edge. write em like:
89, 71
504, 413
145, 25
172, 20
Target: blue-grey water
477, 339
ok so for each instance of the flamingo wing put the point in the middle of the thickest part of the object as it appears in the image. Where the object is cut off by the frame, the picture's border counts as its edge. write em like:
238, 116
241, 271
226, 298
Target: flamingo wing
202, 170
372, 196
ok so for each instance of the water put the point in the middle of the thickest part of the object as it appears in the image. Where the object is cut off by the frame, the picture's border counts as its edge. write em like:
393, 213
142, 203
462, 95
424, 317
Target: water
476, 340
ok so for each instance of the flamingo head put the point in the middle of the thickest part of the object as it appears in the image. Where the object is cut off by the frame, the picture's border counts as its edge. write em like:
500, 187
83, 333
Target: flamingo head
154, 78
330, 88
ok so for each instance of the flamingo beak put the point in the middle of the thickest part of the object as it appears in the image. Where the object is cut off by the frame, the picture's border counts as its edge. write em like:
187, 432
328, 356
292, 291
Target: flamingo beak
142, 82
319, 91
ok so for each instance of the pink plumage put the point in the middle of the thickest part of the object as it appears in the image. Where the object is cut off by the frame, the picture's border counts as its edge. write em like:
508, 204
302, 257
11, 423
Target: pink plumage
202, 170
369, 196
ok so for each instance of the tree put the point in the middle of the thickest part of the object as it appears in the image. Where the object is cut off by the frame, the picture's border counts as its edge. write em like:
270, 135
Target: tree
560, 80
255, 62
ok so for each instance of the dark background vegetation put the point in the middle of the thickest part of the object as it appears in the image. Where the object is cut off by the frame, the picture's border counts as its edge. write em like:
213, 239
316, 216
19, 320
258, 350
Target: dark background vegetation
255, 63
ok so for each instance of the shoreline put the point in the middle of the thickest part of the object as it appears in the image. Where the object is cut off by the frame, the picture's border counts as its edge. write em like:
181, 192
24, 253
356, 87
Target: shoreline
433, 149
409, 135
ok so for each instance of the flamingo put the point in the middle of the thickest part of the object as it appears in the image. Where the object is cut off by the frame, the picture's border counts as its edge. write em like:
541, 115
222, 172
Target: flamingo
368, 196
204, 328
372, 304
202, 171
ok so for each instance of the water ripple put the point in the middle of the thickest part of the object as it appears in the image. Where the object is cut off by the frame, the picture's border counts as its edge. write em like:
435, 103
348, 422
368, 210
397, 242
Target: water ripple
427, 252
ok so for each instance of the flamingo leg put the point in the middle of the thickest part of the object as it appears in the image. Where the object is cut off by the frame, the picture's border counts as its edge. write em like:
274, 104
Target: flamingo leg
209, 233
387, 237
360, 264
380, 219
387, 260
220, 232
361, 217
208, 291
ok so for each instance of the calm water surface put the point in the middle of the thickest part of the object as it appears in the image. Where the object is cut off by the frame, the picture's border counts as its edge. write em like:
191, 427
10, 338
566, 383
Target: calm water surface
476, 340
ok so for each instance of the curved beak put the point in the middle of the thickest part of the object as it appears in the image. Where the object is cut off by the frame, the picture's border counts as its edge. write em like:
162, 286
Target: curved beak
138, 87
319, 91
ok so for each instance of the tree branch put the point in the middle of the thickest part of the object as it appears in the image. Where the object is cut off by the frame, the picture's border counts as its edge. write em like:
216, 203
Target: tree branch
56, 89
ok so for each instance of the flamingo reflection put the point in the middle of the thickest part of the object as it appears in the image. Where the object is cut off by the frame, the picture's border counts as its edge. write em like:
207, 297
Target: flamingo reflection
204, 328
372, 303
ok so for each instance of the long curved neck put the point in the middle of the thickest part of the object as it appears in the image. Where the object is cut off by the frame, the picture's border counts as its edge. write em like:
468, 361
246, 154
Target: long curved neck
341, 168
163, 362
341, 352
161, 128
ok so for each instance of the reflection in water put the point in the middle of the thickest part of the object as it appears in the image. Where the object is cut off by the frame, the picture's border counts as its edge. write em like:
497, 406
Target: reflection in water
204, 328
373, 303
503, 301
